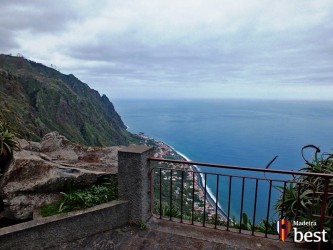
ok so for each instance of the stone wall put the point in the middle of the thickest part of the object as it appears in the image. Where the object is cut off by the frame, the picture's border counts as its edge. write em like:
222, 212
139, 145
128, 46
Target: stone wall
56, 230
134, 207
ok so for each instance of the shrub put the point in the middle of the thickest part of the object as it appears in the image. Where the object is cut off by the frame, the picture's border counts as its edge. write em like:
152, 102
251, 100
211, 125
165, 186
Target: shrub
83, 198
8, 143
303, 196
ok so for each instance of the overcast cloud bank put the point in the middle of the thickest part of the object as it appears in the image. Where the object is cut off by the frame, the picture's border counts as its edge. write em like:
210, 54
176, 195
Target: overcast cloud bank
180, 49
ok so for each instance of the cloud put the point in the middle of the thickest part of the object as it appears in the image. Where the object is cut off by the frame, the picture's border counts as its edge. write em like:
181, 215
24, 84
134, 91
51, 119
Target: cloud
211, 47
36, 16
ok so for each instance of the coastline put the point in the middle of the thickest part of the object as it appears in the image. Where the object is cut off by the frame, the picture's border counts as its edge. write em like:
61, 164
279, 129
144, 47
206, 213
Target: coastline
209, 197
165, 149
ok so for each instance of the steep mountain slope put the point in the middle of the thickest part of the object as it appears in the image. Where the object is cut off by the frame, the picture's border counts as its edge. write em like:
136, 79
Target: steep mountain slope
36, 99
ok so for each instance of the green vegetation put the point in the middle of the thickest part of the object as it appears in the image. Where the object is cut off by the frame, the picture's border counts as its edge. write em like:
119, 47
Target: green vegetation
183, 208
37, 99
143, 226
83, 198
246, 224
304, 200
8, 143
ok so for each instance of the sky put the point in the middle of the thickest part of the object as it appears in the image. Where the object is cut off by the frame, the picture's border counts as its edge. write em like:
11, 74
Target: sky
264, 49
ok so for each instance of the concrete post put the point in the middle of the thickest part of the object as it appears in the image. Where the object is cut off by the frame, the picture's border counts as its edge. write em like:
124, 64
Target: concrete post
133, 182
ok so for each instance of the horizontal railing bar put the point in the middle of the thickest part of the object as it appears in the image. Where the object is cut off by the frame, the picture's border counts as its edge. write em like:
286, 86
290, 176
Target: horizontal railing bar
236, 176
189, 171
326, 216
275, 171
318, 192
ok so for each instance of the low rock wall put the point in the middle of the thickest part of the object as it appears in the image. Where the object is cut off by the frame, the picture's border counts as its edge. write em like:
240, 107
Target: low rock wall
55, 230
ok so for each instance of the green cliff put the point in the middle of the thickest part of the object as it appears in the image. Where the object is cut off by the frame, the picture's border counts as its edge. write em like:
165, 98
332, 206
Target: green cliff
35, 100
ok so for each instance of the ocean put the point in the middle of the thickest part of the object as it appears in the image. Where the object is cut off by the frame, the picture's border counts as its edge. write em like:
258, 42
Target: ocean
235, 132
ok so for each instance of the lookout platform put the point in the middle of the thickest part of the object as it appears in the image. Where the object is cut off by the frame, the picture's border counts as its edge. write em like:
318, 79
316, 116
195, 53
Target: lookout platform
161, 234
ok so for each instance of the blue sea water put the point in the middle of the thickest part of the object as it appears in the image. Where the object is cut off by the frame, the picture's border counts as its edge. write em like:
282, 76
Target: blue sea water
235, 132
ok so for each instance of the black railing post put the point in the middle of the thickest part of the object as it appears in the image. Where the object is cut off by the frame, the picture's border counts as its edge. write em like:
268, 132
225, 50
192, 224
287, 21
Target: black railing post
255, 207
182, 197
283, 199
205, 195
323, 208
193, 197
324, 203
151, 186
298, 199
241, 211
229, 199
268, 207
160, 196
171, 194
217, 198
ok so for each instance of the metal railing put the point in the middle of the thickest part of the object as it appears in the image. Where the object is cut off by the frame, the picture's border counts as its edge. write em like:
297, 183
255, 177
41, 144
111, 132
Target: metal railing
235, 198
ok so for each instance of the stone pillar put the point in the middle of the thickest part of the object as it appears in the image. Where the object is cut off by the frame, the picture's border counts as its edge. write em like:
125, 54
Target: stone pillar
133, 182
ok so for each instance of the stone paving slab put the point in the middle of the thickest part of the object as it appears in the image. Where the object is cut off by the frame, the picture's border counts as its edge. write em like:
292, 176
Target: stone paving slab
224, 239
172, 235
135, 238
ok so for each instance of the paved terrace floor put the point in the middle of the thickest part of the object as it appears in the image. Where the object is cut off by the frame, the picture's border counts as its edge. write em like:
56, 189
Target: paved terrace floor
162, 234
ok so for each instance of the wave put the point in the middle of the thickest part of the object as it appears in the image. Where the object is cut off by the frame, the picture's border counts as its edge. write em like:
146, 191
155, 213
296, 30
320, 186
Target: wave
181, 154
210, 192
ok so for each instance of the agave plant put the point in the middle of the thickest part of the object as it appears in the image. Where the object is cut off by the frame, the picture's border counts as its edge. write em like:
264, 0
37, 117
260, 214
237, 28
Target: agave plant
8, 142
303, 197
298, 200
